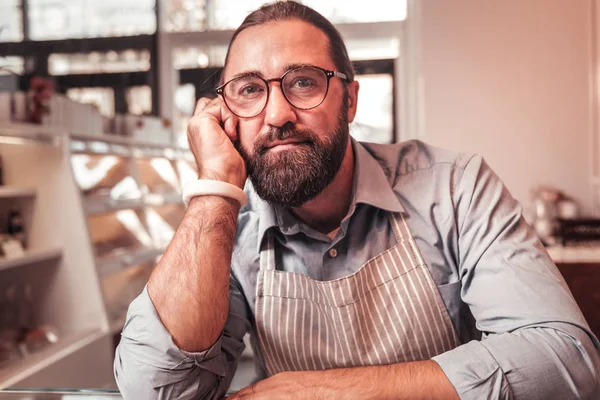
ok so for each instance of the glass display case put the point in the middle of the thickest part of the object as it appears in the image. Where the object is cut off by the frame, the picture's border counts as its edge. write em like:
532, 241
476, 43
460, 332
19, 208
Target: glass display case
117, 232
163, 222
121, 288
187, 170
104, 175
157, 175
131, 196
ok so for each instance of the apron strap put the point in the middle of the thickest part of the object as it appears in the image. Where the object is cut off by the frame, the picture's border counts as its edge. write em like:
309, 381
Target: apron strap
267, 253
403, 235
396, 224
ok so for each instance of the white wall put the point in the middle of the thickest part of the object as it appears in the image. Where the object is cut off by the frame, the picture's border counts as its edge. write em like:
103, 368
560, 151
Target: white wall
509, 79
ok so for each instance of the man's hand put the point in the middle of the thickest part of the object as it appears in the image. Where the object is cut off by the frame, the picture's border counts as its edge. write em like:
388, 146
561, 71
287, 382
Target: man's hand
283, 386
211, 134
418, 380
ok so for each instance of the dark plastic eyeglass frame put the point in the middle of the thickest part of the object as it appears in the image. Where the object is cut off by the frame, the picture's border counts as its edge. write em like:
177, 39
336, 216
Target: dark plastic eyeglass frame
329, 74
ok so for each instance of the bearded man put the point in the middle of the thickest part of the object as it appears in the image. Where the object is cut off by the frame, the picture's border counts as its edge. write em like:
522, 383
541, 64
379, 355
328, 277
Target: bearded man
361, 271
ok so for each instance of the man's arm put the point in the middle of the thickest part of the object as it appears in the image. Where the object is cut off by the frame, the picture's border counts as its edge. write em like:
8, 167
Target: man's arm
190, 286
148, 365
536, 344
175, 344
406, 381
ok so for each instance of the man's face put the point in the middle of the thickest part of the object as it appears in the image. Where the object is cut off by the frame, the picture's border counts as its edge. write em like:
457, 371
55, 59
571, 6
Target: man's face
291, 154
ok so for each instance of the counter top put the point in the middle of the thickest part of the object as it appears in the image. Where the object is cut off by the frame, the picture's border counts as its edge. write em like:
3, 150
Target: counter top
574, 254
59, 394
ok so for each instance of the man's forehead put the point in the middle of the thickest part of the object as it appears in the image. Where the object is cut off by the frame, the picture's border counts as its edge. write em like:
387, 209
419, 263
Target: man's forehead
272, 48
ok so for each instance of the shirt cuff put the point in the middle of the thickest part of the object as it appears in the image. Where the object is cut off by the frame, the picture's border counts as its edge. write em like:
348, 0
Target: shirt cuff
156, 348
474, 372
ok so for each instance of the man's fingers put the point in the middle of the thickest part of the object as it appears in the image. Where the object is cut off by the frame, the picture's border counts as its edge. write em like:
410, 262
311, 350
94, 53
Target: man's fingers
245, 393
226, 120
216, 107
202, 104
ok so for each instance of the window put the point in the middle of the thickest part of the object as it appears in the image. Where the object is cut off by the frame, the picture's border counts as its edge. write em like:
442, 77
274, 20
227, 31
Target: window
373, 49
139, 100
67, 19
96, 62
103, 98
346, 11
374, 121
199, 57
12, 65
185, 101
185, 15
229, 14
11, 21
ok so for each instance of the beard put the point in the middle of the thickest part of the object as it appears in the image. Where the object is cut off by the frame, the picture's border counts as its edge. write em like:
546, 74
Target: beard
291, 177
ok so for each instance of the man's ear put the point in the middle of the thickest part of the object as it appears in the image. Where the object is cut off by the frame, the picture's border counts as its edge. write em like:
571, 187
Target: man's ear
352, 99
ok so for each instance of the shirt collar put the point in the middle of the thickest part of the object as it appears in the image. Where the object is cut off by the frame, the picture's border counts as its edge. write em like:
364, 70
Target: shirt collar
371, 186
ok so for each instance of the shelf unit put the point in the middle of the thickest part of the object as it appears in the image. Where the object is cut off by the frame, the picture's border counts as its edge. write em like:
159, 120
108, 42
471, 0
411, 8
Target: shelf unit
83, 280
12, 192
56, 265
29, 366
29, 134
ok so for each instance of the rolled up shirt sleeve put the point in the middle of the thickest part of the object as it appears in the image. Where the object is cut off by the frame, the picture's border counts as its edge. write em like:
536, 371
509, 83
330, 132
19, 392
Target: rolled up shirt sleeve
148, 364
536, 343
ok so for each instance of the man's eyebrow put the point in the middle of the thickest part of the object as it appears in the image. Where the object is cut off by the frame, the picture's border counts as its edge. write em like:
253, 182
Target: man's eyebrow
247, 73
286, 68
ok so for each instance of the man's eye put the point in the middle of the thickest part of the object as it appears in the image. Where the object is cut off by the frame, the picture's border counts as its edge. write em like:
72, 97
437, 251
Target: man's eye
250, 90
303, 83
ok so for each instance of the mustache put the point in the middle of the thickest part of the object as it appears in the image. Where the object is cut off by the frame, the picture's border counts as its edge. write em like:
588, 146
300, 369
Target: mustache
284, 132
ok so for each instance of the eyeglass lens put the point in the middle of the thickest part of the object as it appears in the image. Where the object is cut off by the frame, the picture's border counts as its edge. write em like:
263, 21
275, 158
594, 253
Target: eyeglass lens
304, 88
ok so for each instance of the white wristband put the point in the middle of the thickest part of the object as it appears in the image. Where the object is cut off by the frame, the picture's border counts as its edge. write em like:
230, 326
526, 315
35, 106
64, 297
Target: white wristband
204, 187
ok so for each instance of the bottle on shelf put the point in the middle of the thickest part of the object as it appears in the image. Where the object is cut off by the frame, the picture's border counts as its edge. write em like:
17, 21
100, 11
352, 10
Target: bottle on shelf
1, 172
15, 226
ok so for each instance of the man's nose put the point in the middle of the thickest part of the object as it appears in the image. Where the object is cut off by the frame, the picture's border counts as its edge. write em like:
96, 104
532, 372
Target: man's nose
278, 110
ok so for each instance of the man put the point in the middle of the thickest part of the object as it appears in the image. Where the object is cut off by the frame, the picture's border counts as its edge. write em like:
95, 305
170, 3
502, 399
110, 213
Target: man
361, 271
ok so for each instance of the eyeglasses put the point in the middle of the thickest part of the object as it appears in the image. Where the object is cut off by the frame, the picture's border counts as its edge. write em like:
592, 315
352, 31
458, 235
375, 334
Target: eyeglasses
303, 87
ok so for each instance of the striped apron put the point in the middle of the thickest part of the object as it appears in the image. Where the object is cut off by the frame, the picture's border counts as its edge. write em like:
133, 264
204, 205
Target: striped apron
389, 311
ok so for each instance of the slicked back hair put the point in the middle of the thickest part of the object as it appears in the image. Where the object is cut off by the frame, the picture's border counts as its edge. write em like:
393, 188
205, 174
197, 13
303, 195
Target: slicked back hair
287, 10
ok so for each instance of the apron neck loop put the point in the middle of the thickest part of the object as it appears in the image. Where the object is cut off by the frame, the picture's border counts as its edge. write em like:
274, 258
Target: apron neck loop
399, 227
267, 253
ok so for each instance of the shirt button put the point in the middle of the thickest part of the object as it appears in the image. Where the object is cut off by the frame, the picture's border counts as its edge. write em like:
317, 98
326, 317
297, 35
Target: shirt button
333, 253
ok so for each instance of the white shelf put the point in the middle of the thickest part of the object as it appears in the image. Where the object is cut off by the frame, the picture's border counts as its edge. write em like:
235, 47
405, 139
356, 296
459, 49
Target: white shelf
8, 192
22, 133
30, 257
21, 369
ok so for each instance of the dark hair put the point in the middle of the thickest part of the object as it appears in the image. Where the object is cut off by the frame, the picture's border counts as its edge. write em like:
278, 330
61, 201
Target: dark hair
286, 10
